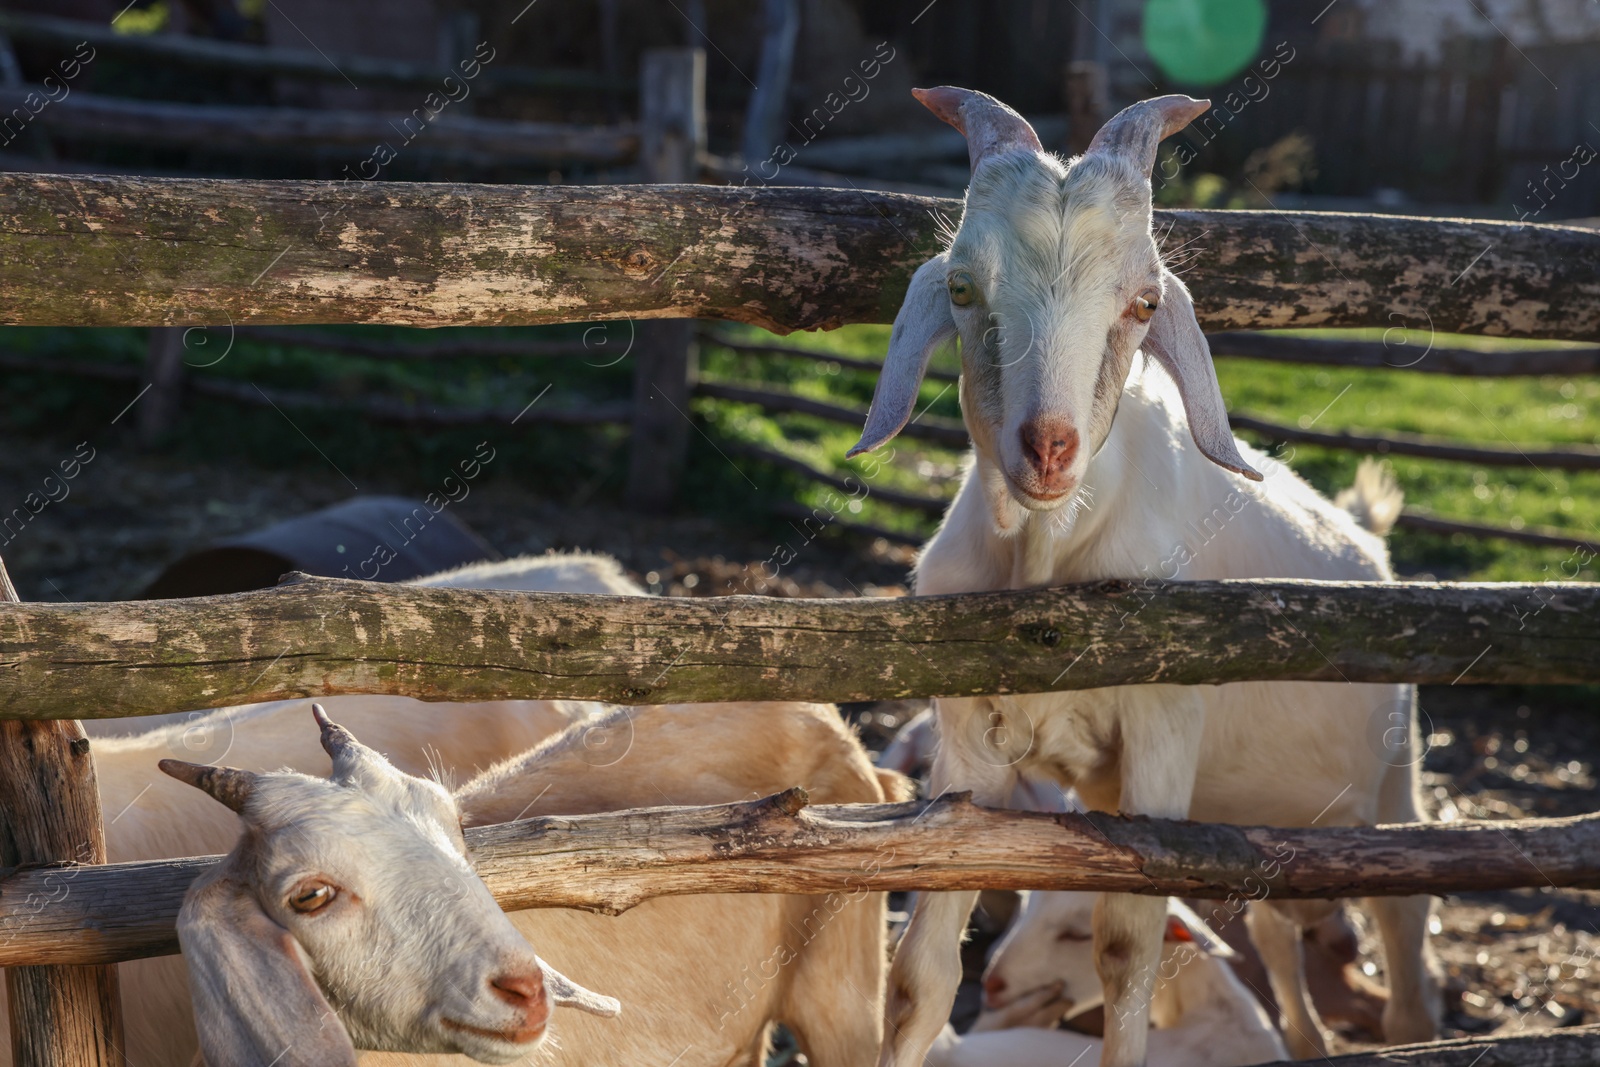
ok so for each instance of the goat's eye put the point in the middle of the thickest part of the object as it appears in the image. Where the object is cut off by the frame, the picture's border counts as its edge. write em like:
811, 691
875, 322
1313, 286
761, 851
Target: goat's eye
963, 290
312, 897
1071, 935
1144, 305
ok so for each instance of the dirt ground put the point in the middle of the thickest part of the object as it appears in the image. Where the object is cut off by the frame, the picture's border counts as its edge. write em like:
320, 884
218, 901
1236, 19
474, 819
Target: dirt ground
1517, 961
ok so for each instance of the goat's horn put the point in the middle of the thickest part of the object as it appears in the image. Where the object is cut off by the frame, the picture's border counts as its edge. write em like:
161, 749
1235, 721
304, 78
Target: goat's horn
1136, 130
989, 126
336, 740
227, 784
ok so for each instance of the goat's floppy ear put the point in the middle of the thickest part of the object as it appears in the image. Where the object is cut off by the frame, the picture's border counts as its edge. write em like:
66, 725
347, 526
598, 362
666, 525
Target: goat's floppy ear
923, 324
255, 1003
565, 993
1175, 339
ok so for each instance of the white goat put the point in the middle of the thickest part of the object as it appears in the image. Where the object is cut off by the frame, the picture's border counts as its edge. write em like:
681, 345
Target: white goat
1204, 1014
1054, 283
150, 816
367, 876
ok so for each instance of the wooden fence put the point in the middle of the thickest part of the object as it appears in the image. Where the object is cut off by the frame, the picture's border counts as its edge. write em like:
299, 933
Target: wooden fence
127, 251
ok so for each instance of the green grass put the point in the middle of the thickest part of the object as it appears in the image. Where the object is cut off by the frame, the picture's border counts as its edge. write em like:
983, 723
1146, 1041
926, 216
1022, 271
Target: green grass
576, 463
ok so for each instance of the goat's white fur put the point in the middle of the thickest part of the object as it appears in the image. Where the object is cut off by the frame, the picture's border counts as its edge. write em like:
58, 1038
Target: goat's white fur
1067, 273
700, 977
150, 816
1204, 1014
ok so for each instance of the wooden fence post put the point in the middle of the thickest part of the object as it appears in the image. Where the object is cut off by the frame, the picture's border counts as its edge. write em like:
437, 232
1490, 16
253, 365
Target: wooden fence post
672, 135
769, 100
164, 373
50, 813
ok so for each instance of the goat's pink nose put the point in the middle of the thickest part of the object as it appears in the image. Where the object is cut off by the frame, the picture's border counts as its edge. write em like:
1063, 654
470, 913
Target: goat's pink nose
993, 987
1050, 445
525, 991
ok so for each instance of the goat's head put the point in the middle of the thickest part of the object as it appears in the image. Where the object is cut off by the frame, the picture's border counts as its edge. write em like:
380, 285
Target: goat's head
1050, 946
349, 916
1052, 281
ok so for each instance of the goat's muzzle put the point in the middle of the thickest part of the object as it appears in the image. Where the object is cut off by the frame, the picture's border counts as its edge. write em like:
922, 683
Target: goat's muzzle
1049, 444
525, 992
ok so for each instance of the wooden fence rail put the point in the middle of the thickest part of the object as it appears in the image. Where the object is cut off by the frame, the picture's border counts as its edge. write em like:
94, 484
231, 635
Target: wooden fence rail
1418, 354
464, 139
317, 636
235, 58
126, 251
610, 862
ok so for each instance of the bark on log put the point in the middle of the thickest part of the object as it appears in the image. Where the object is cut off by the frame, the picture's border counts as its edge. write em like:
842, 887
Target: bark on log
949, 432
465, 139
1466, 362
318, 636
167, 49
60, 1016
1575, 1047
612, 861
1571, 458
127, 251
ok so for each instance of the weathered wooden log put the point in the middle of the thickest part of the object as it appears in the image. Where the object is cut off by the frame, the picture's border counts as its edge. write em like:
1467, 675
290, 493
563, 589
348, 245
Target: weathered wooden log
610, 862
87, 251
1570, 458
232, 57
935, 428
464, 138
60, 1016
1578, 1046
317, 636
1466, 362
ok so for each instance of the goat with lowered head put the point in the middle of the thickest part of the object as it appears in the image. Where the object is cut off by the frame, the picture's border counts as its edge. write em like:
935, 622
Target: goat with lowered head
348, 914
1206, 1017
1084, 376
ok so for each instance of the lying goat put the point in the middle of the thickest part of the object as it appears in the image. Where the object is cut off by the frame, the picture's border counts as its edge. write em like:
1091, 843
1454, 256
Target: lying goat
1067, 318
1206, 1017
348, 915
